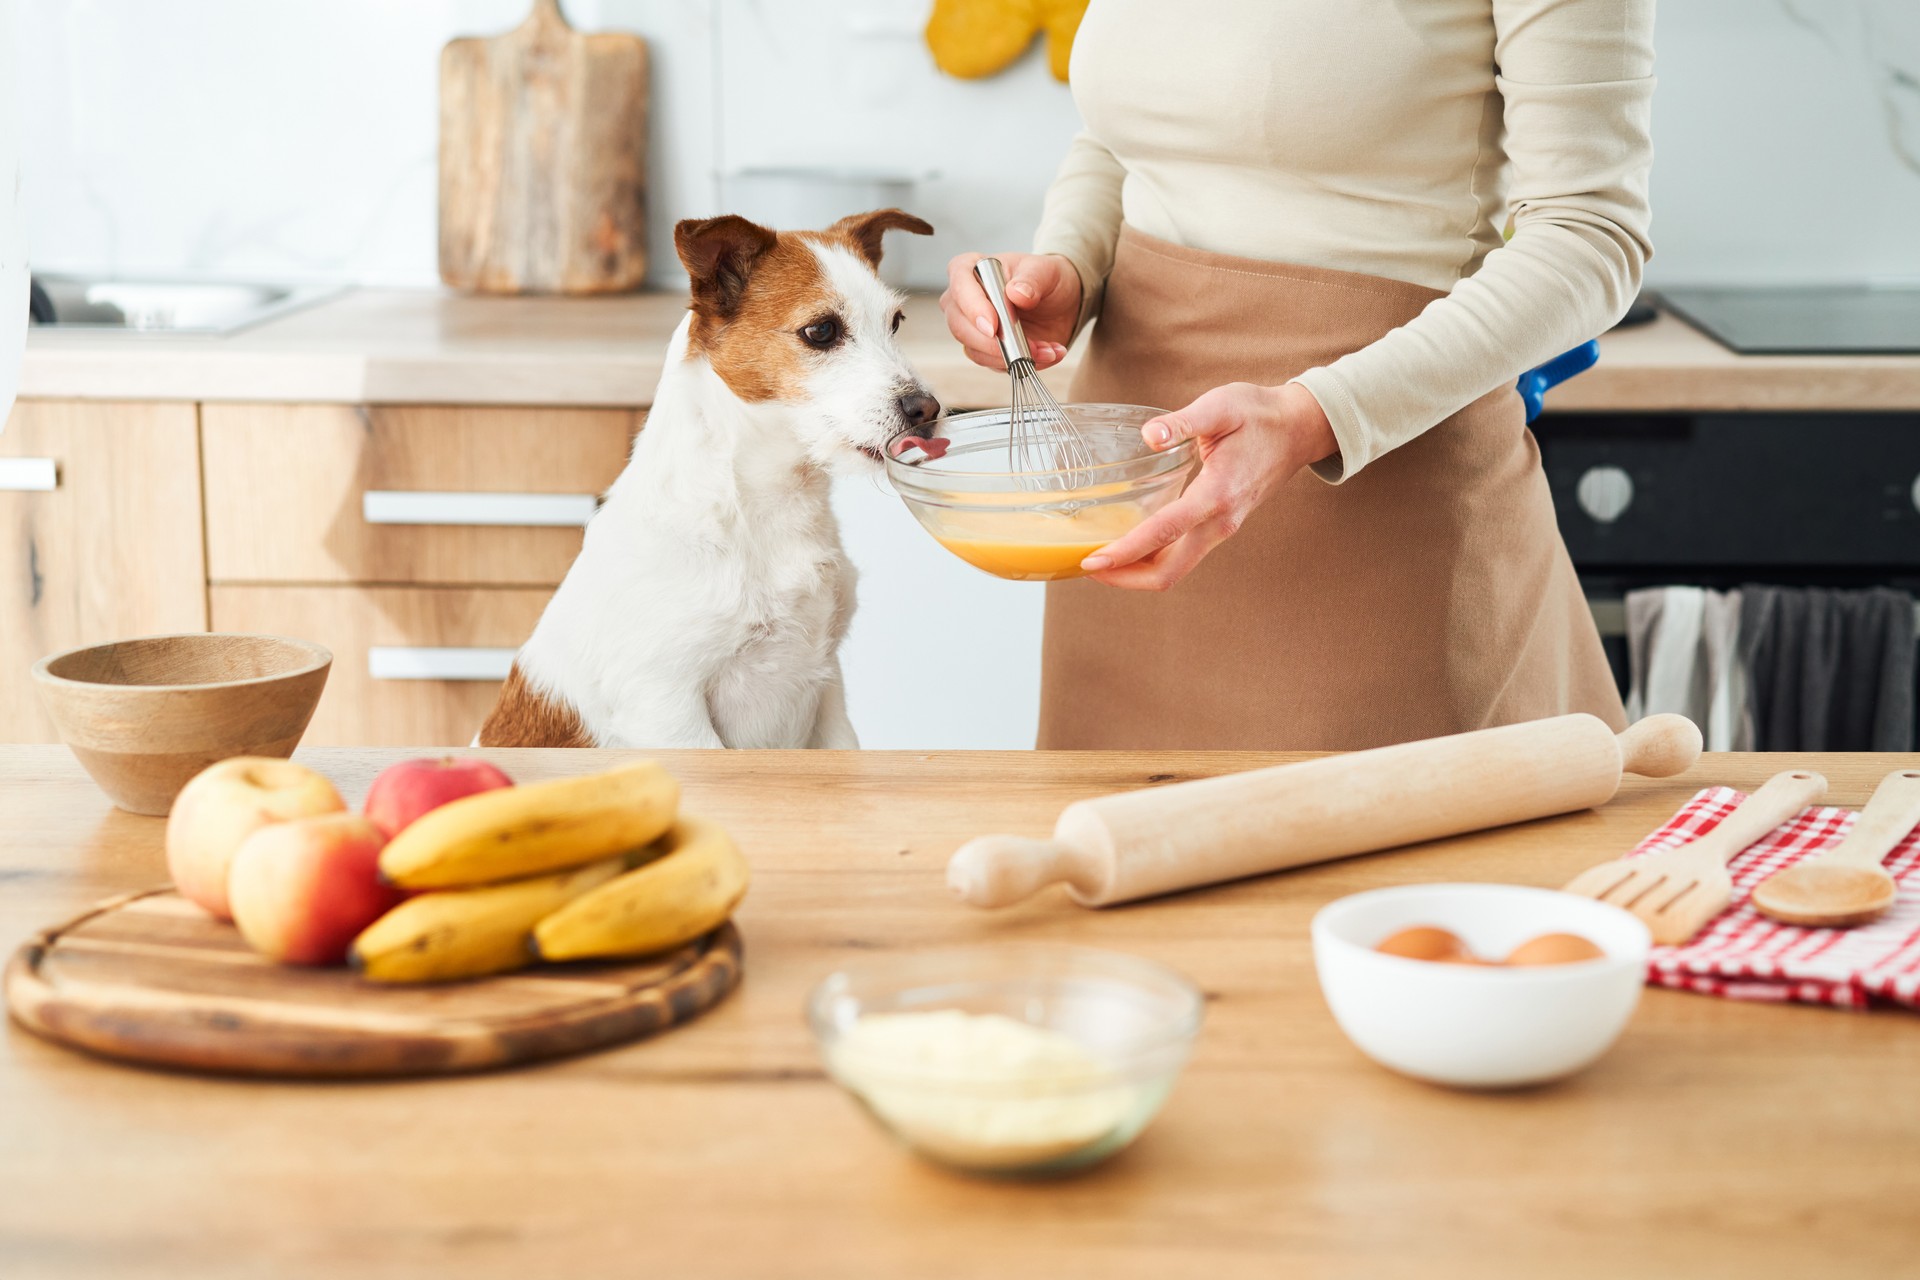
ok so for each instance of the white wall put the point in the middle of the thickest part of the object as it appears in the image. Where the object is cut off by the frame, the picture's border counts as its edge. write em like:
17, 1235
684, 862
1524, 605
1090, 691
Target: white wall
295, 138
1787, 135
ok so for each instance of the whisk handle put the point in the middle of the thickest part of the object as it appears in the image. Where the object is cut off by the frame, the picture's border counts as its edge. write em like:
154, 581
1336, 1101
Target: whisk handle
1013, 340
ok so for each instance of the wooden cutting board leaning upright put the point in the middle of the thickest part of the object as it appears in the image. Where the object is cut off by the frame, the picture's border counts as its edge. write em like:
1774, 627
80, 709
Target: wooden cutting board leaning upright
543, 159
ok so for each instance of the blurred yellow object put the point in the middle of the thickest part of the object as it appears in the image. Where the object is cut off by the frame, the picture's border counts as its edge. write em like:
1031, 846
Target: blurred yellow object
1062, 20
972, 39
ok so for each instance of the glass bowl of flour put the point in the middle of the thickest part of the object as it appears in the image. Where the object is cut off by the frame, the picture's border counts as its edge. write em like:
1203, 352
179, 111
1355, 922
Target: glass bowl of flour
1017, 1059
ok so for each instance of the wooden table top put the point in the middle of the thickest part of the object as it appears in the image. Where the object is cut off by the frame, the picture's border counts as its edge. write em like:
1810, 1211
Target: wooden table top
1717, 1139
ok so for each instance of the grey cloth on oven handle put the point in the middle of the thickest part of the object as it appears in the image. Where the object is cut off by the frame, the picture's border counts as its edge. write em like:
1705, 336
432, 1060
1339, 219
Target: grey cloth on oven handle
1829, 670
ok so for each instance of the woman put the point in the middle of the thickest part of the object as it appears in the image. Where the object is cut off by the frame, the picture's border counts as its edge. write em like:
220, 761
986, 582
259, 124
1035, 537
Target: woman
1287, 216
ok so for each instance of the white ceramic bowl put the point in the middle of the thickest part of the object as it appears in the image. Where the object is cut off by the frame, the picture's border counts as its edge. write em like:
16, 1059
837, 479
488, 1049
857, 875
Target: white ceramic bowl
1474, 1027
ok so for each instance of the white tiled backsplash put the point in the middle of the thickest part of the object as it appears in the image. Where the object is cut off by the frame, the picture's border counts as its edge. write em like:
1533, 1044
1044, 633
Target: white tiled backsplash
296, 137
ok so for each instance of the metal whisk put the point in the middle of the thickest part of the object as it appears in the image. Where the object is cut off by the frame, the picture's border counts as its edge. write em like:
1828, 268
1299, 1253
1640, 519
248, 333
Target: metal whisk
1045, 449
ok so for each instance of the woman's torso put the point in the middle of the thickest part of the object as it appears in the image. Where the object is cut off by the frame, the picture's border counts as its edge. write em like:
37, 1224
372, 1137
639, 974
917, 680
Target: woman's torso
1358, 135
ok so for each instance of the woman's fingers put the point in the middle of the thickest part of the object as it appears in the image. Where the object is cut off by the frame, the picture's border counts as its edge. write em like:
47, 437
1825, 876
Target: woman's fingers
1163, 548
1043, 292
1158, 530
1170, 564
1033, 280
1216, 413
969, 315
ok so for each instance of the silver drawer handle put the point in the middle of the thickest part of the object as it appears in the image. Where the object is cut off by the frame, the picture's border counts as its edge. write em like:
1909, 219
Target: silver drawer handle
29, 475
418, 662
409, 506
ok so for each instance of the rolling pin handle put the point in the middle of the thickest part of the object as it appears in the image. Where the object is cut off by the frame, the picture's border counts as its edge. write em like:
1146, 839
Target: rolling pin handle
998, 871
1659, 746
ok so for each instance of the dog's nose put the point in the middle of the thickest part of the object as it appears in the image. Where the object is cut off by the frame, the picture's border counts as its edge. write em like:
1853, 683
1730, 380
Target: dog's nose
919, 409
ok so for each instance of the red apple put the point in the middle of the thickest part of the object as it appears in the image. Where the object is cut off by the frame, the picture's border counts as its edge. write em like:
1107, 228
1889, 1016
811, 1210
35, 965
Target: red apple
303, 890
406, 790
224, 804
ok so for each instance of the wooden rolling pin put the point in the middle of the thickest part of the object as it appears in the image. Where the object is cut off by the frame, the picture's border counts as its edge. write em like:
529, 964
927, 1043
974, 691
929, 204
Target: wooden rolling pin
1161, 839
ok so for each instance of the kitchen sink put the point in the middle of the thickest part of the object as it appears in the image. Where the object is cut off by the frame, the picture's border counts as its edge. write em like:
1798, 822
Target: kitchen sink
164, 306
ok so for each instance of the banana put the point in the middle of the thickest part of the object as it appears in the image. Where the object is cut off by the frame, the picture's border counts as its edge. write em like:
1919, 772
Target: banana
691, 888
463, 933
523, 831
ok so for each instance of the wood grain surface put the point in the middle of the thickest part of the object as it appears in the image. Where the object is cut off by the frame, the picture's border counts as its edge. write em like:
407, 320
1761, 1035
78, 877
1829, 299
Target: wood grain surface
1718, 1139
285, 483
145, 715
151, 978
350, 620
114, 551
543, 159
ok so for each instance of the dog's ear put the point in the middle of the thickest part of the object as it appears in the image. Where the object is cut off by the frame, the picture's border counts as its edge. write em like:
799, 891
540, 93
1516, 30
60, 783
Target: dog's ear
863, 230
719, 254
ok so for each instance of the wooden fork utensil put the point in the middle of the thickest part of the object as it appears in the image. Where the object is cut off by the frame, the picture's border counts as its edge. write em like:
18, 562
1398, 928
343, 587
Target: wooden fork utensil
1846, 885
1677, 891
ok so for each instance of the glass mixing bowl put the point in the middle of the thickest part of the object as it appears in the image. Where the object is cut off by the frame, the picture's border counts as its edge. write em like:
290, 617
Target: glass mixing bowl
1036, 526
1126, 1026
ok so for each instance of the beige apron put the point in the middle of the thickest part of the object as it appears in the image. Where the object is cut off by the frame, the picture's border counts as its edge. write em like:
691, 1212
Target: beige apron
1429, 594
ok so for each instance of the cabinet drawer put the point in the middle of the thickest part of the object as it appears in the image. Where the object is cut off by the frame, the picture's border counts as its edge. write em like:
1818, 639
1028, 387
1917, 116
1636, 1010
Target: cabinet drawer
404, 493
99, 537
412, 666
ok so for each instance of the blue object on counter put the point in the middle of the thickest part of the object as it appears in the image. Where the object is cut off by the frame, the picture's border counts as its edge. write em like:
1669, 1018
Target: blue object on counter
1534, 382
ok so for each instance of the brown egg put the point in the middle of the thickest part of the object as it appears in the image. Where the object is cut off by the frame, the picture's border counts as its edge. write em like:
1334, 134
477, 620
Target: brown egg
1426, 942
1554, 948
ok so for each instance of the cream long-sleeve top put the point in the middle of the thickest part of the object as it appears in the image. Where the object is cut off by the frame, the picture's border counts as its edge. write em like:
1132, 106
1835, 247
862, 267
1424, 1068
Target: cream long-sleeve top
1388, 137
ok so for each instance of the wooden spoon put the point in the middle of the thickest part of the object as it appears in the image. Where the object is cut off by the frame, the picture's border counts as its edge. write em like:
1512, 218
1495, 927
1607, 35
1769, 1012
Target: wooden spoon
1846, 885
1677, 891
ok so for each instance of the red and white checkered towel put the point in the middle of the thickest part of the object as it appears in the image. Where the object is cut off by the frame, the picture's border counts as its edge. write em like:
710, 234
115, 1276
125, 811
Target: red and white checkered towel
1746, 956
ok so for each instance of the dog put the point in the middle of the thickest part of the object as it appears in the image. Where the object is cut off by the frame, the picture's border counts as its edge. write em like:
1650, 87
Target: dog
711, 593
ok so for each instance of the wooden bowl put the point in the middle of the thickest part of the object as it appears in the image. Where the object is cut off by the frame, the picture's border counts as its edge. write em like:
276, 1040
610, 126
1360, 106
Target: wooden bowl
143, 716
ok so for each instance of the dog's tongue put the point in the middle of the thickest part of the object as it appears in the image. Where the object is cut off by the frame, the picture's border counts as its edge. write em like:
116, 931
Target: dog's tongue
933, 448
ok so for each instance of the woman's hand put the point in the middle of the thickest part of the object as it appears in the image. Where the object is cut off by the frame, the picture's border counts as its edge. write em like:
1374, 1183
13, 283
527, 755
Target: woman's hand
1042, 288
1252, 439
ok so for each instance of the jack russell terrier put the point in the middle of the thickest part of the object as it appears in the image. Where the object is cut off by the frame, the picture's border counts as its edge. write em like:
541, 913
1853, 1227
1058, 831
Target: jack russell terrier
711, 594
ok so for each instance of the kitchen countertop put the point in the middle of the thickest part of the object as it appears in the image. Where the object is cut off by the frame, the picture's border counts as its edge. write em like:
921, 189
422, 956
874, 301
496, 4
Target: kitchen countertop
1718, 1139
380, 346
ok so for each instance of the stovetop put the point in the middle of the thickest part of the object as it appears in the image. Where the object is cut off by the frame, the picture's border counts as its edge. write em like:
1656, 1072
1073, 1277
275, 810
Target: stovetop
1805, 319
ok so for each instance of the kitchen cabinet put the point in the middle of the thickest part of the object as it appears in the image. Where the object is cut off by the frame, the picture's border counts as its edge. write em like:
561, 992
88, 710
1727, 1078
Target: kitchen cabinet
404, 494
412, 666
418, 542
100, 521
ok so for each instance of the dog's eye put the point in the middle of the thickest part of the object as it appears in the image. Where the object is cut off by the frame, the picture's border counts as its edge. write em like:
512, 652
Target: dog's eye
822, 333
899, 317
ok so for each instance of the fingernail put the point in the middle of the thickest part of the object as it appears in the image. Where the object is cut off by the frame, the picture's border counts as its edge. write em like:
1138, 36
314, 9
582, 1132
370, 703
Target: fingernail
1160, 434
1020, 288
1094, 564
984, 325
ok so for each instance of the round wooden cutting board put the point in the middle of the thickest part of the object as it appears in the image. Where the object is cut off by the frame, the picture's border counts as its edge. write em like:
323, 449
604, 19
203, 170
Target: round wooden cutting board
152, 978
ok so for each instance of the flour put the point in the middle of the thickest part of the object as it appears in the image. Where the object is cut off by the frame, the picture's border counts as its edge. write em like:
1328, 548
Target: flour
982, 1090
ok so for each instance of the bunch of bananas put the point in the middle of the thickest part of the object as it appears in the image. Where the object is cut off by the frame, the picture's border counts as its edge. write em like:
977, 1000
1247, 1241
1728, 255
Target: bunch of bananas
581, 867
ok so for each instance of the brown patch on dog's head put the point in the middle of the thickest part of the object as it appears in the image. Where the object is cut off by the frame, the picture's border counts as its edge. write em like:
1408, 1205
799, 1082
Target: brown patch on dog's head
719, 254
522, 716
862, 231
755, 292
